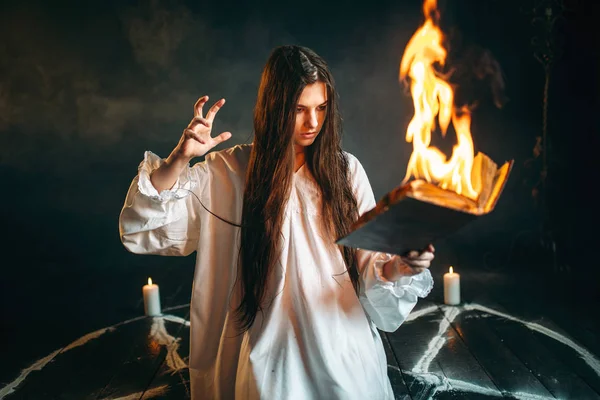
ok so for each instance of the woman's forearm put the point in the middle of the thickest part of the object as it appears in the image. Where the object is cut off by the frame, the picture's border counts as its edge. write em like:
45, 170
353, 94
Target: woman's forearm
165, 176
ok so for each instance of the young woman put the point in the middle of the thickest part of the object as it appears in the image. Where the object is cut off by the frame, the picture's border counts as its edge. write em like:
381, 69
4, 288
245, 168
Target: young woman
278, 311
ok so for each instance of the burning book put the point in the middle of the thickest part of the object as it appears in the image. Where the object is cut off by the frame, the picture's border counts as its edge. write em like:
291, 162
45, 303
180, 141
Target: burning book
444, 194
418, 212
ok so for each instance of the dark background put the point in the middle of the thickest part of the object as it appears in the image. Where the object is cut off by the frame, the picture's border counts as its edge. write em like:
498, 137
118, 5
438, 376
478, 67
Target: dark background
87, 87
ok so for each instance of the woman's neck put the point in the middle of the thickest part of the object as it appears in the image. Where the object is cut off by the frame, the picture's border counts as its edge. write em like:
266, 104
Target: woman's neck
300, 153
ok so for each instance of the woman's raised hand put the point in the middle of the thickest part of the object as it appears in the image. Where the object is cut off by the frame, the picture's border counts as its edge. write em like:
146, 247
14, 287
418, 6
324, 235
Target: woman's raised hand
196, 140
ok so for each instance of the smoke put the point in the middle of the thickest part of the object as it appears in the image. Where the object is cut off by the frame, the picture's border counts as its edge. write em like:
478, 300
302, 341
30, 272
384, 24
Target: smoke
155, 34
131, 72
49, 92
472, 67
475, 73
125, 79
83, 93
38, 76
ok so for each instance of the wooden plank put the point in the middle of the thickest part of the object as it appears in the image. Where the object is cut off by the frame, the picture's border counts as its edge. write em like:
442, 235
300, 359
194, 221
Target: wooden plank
109, 348
176, 391
435, 359
24, 354
173, 371
156, 362
574, 317
553, 373
32, 333
564, 341
509, 374
101, 298
82, 369
574, 320
585, 366
394, 370
581, 328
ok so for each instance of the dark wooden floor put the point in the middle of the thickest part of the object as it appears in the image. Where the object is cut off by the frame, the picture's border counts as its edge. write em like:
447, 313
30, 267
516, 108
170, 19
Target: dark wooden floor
510, 338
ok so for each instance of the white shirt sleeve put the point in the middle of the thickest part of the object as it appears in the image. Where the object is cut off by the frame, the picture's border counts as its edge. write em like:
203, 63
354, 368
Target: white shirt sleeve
388, 304
164, 223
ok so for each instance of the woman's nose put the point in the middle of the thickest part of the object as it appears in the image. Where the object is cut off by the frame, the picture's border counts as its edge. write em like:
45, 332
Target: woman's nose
312, 120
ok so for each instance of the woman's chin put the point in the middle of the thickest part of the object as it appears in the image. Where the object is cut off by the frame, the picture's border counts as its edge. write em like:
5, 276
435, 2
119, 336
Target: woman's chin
305, 141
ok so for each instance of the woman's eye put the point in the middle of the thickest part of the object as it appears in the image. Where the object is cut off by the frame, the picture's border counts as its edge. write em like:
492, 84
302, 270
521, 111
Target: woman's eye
322, 108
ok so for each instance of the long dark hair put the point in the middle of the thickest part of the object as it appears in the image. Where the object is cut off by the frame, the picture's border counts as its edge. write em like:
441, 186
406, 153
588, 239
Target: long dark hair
287, 72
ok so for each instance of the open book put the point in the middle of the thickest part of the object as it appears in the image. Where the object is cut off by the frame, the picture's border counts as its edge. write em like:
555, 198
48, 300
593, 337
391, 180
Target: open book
418, 213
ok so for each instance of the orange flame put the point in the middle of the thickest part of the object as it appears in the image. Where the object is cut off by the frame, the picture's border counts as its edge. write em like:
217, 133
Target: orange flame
433, 98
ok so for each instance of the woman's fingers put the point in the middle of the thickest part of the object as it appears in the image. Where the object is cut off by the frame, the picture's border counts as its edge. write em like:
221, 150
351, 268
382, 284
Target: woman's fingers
196, 140
426, 255
415, 255
417, 263
191, 134
222, 137
198, 121
210, 115
419, 260
198, 106
211, 141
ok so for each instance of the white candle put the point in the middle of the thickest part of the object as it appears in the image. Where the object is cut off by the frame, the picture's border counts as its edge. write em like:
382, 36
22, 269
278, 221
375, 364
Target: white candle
151, 298
451, 287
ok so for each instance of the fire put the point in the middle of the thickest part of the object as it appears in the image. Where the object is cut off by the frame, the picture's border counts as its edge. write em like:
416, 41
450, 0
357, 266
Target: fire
433, 98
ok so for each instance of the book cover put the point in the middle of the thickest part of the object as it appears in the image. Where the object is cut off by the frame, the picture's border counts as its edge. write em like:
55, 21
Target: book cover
418, 213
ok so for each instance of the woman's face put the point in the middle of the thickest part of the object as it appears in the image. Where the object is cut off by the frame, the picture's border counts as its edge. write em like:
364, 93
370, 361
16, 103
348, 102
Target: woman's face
310, 114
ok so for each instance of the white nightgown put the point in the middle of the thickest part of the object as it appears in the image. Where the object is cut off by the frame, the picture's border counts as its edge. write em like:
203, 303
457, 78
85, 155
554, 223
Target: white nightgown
316, 339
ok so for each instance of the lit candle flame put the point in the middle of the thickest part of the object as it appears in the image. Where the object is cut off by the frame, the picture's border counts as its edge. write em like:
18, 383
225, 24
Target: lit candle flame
433, 100
451, 270
149, 281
